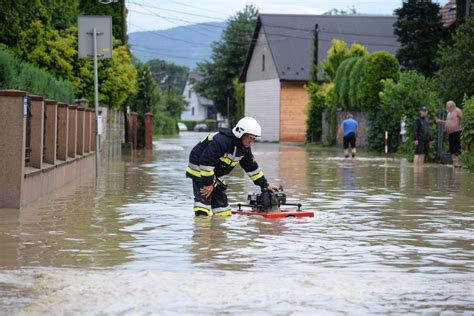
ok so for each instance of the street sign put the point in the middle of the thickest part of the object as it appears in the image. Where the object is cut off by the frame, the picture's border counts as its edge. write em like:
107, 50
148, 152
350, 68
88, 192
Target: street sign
103, 26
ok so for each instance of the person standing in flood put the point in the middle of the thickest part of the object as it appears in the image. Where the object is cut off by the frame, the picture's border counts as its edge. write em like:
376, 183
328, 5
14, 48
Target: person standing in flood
422, 136
452, 126
350, 130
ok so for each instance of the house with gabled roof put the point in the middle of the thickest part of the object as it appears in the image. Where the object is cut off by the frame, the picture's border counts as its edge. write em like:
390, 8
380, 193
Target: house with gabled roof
279, 59
199, 108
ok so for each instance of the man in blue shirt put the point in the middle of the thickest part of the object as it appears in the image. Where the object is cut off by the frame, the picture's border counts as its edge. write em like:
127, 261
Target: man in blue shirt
350, 130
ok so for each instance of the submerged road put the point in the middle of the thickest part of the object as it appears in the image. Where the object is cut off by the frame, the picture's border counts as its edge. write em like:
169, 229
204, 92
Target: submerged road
384, 240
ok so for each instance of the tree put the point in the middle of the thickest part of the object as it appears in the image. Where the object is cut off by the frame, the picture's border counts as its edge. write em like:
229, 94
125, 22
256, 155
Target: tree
350, 11
146, 100
322, 98
169, 74
56, 52
227, 61
379, 66
456, 77
16, 16
419, 30
338, 53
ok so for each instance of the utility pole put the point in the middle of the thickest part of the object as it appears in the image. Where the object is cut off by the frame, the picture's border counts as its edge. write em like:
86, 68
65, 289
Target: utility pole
123, 10
315, 53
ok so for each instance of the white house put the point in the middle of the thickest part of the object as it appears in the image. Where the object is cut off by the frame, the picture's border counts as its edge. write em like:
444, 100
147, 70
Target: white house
199, 108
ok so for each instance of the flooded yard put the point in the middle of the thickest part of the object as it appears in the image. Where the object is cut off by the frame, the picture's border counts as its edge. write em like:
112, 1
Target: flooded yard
384, 240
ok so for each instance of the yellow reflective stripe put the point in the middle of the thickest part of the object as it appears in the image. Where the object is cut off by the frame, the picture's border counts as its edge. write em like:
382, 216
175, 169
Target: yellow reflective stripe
209, 137
225, 213
257, 176
205, 210
229, 161
206, 173
193, 172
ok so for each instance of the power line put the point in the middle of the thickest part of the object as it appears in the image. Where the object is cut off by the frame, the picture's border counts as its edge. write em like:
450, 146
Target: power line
176, 11
150, 53
190, 6
273, 34
266, 24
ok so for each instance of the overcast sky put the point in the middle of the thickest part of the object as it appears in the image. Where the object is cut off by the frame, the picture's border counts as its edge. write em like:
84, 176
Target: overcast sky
147, 15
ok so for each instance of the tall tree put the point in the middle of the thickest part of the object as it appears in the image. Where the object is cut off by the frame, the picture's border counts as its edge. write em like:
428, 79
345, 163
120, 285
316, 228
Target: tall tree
169, 74
419, 30
17, 16
94, 7
146, 100
227, 61
456, 75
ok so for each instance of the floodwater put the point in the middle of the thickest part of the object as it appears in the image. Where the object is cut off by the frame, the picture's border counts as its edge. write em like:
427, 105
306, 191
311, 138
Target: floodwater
384, 240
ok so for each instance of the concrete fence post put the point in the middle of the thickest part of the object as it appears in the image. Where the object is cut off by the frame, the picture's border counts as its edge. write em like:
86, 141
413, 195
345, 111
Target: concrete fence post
63, 129
133, 129
37, 131
87, 130
72, 132
148, 131
50, 138
12, 144
80, 131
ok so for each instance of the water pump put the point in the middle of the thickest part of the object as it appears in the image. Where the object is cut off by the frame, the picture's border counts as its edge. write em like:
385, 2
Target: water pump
267, 201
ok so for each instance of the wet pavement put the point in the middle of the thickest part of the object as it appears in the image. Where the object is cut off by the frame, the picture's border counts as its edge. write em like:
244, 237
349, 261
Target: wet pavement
384, 240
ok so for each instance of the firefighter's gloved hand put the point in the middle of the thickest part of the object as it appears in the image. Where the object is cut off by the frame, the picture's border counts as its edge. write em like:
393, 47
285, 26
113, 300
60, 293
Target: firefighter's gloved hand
272, 188
206, 191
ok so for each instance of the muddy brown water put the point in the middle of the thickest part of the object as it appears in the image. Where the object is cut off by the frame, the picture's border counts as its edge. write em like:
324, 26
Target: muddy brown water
384, 240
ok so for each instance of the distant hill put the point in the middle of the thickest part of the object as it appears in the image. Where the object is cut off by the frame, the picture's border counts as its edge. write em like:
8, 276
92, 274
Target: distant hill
183, 45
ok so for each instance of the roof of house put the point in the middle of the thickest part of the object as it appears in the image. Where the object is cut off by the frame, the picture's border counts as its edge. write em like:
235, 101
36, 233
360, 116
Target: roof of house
195, 76
448, 13
204, 101
290, 39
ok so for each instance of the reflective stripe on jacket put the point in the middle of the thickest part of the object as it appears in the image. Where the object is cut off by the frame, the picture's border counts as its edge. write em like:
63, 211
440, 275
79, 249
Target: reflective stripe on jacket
217, 154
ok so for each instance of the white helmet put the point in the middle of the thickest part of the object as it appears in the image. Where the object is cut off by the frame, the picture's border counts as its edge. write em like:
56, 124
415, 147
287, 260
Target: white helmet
247, 125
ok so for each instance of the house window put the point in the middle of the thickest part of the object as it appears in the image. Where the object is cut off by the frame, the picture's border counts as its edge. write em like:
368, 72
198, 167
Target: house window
192, 111
263, 62
189, 94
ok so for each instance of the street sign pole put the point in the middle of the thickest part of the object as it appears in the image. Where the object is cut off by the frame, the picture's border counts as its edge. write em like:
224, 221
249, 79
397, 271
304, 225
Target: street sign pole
96, 106
99, 47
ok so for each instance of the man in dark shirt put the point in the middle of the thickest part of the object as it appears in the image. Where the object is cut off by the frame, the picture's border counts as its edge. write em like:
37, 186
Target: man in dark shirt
422, 136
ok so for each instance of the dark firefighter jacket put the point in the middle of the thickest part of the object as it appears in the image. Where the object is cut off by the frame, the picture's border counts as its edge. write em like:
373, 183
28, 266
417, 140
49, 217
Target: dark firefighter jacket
217, 154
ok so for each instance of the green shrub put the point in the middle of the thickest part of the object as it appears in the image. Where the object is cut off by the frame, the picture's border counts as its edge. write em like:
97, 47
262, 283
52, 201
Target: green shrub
467, 122
314, 110
8, 69
165, 125
354, 81
343, 83
401, 101
380, 65
466, 160
15, 74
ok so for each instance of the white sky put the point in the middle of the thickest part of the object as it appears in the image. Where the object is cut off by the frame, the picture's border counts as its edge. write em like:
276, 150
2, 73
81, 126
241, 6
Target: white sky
147, 15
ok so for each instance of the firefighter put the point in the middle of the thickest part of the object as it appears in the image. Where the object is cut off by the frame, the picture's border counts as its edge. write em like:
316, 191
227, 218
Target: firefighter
215, 156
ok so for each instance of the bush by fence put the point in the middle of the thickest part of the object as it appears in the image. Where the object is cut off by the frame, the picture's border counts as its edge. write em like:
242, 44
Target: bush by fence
15, 74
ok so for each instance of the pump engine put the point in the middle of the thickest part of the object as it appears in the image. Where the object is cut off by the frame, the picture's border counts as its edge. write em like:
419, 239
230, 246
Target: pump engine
267, 201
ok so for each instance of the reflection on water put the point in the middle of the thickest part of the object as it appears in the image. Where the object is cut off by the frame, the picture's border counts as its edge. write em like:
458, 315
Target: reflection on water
384, 239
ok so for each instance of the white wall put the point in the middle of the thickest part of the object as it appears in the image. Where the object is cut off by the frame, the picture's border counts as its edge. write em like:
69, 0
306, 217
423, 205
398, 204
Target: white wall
255, 71
262, 102
200, 112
